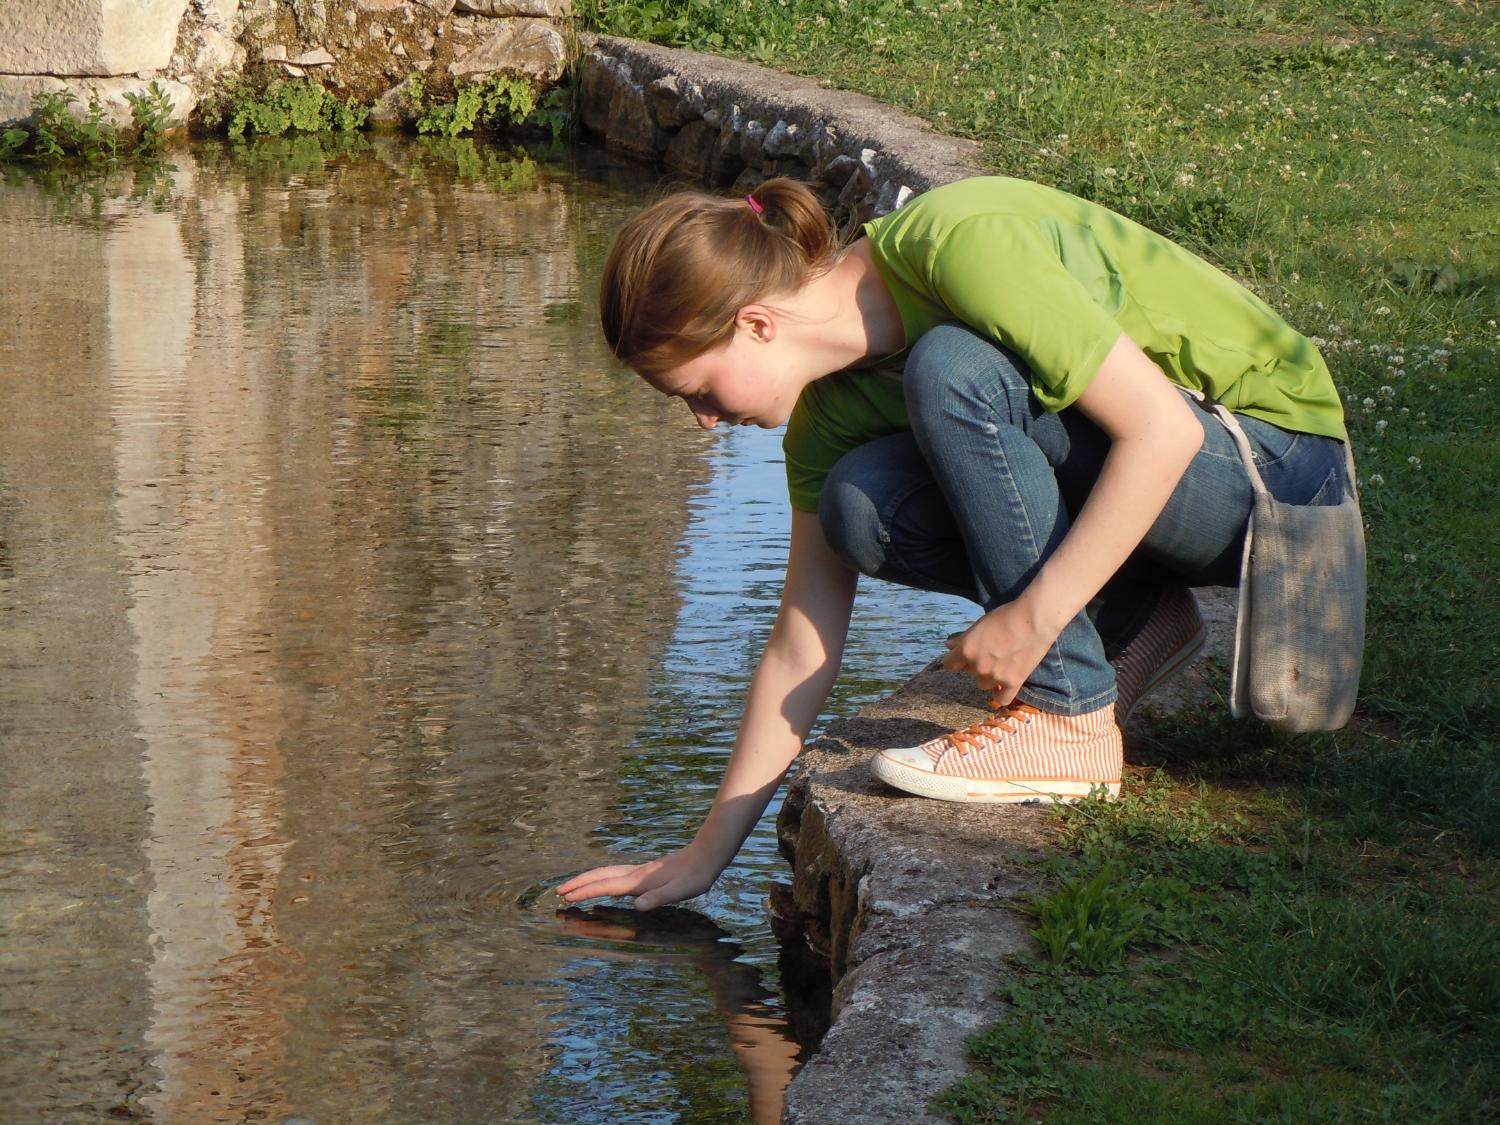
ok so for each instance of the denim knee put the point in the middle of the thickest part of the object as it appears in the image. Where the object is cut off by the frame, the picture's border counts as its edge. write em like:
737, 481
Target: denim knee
951, 367
850, 520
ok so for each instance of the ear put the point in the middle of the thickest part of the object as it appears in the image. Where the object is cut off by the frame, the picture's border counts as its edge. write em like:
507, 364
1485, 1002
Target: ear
756, 321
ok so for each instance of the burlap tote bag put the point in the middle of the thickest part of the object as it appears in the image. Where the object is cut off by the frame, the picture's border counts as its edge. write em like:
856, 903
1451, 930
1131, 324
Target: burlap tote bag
1299, 635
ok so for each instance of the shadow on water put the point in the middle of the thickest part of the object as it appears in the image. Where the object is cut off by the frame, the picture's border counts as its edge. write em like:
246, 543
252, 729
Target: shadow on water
347, 589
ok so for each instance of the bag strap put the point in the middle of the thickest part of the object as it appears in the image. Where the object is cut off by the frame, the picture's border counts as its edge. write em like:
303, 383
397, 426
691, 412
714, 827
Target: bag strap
1243, 444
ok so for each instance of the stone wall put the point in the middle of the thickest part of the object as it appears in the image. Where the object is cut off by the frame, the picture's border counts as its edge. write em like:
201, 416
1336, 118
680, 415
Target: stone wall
729, 124
368, 49
94, 49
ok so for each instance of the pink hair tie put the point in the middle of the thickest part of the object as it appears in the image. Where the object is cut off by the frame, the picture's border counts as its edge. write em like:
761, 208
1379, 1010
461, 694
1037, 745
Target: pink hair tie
754, 206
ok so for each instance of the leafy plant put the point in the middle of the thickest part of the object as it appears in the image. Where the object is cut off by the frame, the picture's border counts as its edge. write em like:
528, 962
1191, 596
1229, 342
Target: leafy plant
295, 105
678, 23
56, 133
496, 102
1089, 922
152, 113
555, 112
12, 141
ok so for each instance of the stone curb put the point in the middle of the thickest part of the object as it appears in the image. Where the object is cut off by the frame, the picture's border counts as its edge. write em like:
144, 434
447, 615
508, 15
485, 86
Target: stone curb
725, 123
912, 903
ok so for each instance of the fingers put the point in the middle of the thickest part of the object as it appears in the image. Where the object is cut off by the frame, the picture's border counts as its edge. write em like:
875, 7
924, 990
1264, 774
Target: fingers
607, 882
1001, 695
673, 890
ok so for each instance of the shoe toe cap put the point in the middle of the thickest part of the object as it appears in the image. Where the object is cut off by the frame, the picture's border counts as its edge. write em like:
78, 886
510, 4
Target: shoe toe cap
913, 757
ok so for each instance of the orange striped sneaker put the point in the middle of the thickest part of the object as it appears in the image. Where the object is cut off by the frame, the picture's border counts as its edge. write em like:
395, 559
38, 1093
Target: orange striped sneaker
1172, 636
1018, 754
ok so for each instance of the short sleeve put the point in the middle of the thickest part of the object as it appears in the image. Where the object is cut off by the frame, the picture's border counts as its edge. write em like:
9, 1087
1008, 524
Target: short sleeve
1000, 275
831, 417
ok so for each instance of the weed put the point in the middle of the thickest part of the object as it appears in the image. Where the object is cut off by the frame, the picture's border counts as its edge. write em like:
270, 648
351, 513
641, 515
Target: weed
494, 103
1088, 922
152, 114
55, 132
293, 105
555, 112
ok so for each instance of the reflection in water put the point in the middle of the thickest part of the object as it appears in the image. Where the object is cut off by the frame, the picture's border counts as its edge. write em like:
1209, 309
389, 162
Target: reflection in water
675, 936
345, 587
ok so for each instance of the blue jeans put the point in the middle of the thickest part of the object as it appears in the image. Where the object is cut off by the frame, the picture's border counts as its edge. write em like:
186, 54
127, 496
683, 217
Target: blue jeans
984, 487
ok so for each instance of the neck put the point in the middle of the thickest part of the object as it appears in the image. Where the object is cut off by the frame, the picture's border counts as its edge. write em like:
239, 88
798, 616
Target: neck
862, 321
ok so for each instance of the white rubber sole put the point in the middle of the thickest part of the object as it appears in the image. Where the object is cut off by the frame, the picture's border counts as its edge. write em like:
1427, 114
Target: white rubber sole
1008, 791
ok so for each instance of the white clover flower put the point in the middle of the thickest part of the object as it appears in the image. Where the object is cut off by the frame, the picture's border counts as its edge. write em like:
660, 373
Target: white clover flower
1408, 557
1111, 173
1376, 480
1383, 310
1380, 426
1368, 404
1414, 462
1184, 179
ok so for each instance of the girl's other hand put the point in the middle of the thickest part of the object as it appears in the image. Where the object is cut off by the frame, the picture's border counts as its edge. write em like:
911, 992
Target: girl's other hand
1000, 650
675, 876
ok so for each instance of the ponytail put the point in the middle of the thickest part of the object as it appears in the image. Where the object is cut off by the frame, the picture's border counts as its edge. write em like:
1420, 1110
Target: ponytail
681, 270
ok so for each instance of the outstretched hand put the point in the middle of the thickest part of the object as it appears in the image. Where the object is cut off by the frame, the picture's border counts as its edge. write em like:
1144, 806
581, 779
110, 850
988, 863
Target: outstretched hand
672, 878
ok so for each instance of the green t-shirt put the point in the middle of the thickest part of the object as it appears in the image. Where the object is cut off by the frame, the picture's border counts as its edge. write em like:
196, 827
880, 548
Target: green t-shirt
1056, 279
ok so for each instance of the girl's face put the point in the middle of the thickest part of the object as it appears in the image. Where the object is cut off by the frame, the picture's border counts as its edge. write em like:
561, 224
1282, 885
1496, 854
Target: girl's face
749, 380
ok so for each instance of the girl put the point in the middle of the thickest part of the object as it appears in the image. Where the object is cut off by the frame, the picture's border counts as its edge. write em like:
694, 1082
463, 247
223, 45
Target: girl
994, 392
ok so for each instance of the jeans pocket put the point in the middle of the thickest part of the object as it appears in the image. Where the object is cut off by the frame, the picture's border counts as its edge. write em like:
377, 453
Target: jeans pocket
1273, 447
1332, 490
1308, 471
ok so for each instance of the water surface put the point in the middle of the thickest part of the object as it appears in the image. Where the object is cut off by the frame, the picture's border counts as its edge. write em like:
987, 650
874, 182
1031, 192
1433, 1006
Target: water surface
349, 594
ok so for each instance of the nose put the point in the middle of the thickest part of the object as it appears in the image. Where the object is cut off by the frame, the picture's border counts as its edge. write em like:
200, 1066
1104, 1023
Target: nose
706, 418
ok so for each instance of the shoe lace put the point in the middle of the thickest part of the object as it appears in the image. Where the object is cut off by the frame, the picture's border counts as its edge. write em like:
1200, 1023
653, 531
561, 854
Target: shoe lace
1005, 720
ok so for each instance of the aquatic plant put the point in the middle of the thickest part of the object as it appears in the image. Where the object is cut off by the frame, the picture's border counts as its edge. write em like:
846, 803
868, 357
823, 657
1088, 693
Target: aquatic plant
494, 103
293, 105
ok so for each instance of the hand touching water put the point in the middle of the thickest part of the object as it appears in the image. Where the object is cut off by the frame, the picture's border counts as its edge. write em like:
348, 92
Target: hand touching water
672, 878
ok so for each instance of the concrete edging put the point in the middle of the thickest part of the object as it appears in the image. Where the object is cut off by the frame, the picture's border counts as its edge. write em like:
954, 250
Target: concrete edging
913, 903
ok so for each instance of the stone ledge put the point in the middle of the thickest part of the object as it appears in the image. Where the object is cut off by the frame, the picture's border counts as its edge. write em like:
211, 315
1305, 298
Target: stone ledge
726, 122
913, 903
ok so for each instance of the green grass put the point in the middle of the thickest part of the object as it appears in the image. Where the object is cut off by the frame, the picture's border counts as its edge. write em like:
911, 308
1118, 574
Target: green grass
1317, 916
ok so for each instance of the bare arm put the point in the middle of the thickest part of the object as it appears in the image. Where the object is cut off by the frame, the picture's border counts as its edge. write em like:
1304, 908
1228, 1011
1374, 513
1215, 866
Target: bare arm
790, 685
1153, 438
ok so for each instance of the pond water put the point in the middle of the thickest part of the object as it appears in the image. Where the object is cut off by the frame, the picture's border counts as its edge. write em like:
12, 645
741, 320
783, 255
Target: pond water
349, 597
